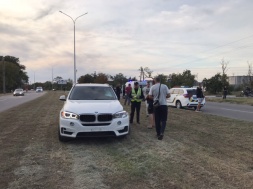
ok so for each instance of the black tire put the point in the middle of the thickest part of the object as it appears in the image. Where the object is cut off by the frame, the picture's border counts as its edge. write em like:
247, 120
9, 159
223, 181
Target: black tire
63, 138
178, 104
122, 137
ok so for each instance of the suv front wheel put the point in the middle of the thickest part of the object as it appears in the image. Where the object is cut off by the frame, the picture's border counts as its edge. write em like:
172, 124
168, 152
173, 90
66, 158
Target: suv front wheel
178, 104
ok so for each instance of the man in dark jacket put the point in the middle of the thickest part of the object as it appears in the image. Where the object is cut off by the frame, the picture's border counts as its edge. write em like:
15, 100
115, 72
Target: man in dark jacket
118, 91
200, 96
225, 92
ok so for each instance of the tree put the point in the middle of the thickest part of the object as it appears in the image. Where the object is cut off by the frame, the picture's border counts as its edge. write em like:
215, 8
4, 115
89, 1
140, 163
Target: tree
15, 75
224, 77
163, 78
101, 78
214, 84
118, 79
184, 79
145, 72
224, 66
141, 73
148, 72
250, 75
87, 78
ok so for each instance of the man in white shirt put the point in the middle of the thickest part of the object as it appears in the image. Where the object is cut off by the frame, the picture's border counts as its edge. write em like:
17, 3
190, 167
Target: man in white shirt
161, 112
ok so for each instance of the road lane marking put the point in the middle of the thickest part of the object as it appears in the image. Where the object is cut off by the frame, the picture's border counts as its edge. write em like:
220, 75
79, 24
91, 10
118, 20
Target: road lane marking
3, 99
237, 110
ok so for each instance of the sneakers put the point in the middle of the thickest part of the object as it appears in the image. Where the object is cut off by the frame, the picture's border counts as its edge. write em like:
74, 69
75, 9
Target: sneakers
160, 137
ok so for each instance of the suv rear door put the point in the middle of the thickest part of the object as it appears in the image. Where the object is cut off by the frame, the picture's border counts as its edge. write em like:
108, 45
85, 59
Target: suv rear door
173, 94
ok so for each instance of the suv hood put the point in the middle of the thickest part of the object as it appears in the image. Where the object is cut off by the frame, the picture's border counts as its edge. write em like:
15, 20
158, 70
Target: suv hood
87, 106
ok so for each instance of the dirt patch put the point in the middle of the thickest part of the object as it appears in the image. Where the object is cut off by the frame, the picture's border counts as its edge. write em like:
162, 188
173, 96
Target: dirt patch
198, 151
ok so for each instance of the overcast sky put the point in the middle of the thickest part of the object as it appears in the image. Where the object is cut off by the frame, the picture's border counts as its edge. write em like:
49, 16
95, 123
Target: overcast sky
120, 36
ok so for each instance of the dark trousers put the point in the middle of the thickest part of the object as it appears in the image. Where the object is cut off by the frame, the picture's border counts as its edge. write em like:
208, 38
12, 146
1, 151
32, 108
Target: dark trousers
127, 99
161, 114
137, 106
224, 95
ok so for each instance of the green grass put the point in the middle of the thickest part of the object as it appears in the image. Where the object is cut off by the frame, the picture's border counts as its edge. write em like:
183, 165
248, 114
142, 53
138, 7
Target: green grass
237, 100
198, 151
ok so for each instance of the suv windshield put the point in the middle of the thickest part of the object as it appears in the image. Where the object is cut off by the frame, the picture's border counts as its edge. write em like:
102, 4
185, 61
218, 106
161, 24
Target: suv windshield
92, 93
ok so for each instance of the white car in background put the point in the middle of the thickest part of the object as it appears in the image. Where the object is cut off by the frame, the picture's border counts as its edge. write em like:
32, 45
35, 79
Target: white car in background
18, 92
92, 110
184, 98
39, 89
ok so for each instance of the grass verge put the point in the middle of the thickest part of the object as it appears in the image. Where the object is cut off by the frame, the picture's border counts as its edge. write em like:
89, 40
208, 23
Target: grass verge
198, 151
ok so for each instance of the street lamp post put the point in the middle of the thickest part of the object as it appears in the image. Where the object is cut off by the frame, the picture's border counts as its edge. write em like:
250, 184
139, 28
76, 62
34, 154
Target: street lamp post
3, 74
74, 21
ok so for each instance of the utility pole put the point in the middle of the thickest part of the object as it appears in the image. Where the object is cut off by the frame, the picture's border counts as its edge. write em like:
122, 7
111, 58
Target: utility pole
34, 80
3, 64
52, 77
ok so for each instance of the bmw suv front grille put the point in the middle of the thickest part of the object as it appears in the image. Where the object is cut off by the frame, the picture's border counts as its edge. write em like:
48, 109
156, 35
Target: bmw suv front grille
105, 117
94, 118
87, 118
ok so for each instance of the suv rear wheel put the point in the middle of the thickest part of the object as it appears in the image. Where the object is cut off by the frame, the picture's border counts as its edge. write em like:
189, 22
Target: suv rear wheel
178, 104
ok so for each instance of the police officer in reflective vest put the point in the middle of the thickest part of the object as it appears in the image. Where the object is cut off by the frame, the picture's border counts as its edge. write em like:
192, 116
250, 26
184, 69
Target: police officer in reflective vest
136, 98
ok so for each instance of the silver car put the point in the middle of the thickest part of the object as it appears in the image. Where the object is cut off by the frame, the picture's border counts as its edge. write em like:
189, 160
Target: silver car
19, 92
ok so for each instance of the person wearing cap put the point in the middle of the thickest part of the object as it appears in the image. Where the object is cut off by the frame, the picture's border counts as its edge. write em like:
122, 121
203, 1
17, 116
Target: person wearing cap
136, 97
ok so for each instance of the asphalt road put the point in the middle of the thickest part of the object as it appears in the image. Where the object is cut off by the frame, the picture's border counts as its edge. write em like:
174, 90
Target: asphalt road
9, 101
235, 111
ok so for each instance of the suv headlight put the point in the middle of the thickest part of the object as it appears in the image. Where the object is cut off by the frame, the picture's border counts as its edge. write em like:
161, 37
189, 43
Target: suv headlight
69, 115
121, 114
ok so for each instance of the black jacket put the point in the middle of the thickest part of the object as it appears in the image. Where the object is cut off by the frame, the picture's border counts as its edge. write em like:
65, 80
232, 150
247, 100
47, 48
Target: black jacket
199, 93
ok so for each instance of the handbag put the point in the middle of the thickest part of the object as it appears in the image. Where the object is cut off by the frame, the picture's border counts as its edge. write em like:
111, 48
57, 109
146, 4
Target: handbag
156, 102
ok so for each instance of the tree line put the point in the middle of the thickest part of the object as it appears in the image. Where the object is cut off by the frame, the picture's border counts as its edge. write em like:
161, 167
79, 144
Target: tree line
13, 75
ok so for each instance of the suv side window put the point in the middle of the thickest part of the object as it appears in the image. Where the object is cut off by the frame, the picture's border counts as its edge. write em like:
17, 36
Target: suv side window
176, 91
172, 91
181, 91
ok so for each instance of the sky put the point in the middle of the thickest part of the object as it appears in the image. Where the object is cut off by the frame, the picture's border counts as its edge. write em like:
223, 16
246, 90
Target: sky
120, 36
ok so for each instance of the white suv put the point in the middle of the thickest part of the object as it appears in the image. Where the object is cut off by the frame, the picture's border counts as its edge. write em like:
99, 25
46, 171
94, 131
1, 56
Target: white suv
92, 110
183, 97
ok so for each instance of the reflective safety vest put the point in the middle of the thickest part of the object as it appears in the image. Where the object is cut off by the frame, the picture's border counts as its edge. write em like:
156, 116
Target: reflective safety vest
136, 97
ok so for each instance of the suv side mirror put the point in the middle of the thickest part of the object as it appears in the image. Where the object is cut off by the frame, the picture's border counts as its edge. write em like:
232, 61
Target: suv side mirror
62, 98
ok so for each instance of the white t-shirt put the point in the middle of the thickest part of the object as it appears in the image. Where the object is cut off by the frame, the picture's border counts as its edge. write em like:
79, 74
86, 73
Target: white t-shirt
145, 91
164, 90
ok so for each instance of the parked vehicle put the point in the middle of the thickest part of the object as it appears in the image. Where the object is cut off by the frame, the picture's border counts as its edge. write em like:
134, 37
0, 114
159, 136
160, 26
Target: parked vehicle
92, 110
247, 92
18, 92
183, 98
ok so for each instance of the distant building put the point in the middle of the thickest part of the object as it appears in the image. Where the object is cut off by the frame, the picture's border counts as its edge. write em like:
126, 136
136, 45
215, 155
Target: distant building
238, 80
